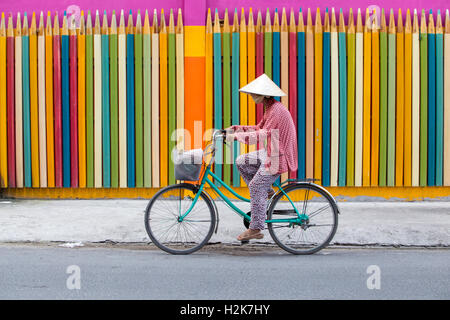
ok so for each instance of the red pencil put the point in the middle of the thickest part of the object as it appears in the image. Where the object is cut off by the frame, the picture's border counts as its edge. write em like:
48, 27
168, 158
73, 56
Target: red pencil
57, 102
259, 62
10, 104
73, 104
293, 75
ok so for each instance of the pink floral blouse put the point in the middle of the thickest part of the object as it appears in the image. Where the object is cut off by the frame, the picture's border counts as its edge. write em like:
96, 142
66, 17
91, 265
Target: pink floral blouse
279, 129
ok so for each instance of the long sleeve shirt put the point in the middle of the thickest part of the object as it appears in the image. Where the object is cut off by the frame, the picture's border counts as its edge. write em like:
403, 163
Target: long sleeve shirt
278, 128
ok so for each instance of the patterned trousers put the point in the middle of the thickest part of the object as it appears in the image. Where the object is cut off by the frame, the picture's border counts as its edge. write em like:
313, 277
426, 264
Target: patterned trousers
259, 181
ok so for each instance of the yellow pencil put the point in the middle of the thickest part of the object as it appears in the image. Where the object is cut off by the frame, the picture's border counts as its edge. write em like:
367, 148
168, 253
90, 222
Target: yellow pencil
251, 68
180, 79
243, 78
375, 136
41, 93
82, 103
400, 118
49, 102
164, 121
209, 77
408, 100
34, 114
318, 53
309, 97
366, 100
3, 109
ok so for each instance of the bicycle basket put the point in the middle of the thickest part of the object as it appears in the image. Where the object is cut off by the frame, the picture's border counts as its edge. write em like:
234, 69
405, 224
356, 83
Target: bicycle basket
188, 164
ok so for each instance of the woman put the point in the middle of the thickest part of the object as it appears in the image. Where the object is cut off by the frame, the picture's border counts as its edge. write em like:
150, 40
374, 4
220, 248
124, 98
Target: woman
261, 168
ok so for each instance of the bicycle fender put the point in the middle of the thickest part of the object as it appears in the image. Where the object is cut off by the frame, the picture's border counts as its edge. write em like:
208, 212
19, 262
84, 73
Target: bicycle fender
215, 209
316, 185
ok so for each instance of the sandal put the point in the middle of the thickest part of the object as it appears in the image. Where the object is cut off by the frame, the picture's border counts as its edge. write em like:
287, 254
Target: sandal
247, 236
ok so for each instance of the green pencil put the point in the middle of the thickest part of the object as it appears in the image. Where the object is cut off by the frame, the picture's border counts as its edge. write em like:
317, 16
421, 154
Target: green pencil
391, 102
138, 102
383, 101
351, 38
114, 103
172, 93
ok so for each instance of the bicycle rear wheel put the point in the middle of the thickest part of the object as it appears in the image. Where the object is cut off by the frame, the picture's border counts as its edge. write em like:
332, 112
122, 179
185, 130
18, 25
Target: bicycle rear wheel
164, 226
312, 234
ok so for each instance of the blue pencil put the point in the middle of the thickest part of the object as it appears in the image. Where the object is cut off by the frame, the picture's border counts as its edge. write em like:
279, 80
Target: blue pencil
217, 93
106, 138
235, 95
65, 98
130, 105
326, 120
439, 101
431, 102
26, 102
342, 102
301, 96
276, 51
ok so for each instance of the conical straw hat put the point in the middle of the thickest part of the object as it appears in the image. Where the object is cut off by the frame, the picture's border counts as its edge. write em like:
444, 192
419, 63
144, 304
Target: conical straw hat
264, 86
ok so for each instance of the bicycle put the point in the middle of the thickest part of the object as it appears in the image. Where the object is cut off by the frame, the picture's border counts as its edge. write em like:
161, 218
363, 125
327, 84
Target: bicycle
190, 213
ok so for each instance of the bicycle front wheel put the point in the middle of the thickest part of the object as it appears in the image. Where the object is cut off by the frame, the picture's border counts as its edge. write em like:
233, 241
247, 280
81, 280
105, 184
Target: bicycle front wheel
315, 231
168, 231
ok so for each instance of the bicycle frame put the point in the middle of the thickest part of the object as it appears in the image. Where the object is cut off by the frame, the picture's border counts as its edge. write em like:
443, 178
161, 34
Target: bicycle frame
205, 180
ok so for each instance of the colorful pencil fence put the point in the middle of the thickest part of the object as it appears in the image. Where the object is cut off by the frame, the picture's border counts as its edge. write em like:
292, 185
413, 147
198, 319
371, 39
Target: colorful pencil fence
96, 104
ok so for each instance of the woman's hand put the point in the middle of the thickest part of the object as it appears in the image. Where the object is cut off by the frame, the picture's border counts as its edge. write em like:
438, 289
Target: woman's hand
230, 137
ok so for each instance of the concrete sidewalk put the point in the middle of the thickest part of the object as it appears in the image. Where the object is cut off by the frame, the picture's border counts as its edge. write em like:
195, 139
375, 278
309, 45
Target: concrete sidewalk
360, 223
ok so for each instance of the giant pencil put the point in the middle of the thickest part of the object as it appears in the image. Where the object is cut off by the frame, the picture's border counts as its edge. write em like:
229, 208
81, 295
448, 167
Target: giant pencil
301, 88
65, 103
439, 98
138, 89
3, 108
106, 125
34, 108
10, 101
383, 102
350, 100
81, 47
73, 104
18, 104
431, 101
342, 101
293, 75
334, 152
375, 132
235, 116
26, 102
400, 102
41, 105
407, 101
318, 62
326, 69
309, 35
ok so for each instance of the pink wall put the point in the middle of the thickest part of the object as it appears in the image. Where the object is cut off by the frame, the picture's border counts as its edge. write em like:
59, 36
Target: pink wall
193, 17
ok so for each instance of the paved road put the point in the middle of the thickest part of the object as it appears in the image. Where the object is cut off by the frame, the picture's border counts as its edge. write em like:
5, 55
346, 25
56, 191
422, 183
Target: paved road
40, 272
